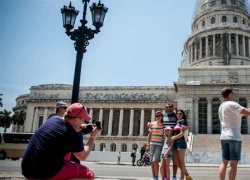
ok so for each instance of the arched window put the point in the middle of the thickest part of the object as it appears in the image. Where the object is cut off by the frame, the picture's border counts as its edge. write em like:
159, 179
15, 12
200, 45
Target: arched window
93, 147
243, 21
210, 63
124, 147
242, 62
134, 146
113, 147
224, 19
212, 20
102, 146
235, 19
203, 23
223, 1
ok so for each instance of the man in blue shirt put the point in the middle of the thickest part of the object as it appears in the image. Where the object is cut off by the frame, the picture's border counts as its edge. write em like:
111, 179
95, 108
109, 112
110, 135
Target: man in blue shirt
48, 152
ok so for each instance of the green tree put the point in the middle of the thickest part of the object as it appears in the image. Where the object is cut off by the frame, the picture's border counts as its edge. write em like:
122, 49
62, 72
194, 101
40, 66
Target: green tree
19, 117
5, 119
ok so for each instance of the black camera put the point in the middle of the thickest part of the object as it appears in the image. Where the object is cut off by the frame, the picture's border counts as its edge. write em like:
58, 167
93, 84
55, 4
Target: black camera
98, 124
87, 129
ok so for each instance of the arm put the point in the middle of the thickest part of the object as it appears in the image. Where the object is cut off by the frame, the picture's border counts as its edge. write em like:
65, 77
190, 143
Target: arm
148, 140
169, 149
245, 112
88, 146
179, 135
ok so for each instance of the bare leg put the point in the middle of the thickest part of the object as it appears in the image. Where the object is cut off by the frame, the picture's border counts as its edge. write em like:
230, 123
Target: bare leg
232, 169
222, 169
156, 168
152, 168
181, 160
162, 168
167, 166
175, 162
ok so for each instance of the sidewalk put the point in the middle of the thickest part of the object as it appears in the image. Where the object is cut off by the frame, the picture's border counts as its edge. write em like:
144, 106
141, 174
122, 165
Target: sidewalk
18, 175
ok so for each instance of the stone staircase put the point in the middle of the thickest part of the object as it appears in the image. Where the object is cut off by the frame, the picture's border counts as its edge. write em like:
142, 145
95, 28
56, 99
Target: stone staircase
211, 143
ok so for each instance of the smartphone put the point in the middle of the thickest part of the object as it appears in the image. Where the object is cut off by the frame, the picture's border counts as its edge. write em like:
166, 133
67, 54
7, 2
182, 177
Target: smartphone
98, 124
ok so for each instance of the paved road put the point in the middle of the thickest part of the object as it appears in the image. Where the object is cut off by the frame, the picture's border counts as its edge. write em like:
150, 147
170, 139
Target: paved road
110, 171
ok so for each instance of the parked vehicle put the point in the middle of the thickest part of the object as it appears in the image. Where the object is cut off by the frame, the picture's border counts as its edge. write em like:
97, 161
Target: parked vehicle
13, 145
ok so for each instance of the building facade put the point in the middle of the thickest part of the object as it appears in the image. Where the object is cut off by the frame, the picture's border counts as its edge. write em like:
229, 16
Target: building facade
216, 54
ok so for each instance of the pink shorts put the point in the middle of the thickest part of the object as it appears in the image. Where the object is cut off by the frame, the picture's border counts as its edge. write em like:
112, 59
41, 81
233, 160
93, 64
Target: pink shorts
73, 170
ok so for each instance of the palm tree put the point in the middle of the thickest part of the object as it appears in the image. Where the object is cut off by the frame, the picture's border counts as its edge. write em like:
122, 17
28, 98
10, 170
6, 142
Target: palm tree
19, 118
5, 119
1, 104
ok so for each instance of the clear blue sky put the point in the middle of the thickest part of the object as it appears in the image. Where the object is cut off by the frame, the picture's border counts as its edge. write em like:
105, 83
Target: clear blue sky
140, 44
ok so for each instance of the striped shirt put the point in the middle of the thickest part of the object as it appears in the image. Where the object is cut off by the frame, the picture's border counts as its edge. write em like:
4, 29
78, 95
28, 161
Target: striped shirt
157, 133
169, 120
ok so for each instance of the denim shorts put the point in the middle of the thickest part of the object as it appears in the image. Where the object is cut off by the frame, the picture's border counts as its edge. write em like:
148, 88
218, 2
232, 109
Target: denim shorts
180, 144
231, 149
155, 153
169, 156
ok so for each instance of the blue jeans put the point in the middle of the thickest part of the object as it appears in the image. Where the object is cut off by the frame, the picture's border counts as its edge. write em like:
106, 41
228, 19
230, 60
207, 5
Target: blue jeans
155, 153
231, 149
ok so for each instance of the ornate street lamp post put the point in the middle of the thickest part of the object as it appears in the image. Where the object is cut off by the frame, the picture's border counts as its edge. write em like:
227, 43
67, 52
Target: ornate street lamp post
82, 35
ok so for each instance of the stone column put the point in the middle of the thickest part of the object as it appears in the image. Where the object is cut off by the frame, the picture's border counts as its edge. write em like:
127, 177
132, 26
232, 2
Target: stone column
196, 115
244, 46
248, 117
35, 121
191, 53
229, 43
91, 114
101, 115
131, 122
206, 46
237, 44
209, 115
45, 115
195, 52
249, 48
142, 123
110, 122
120, 123
153, 115
200, 48
214, 44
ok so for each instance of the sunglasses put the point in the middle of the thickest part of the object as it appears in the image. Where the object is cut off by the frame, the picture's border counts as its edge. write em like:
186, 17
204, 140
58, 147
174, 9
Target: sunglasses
179, 113
168, 106
83, 108
158, 115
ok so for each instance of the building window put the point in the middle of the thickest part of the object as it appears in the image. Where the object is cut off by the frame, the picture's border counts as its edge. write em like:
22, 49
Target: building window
243, 21
203, 23
210, 63
124, 147
243, 102
213, 20
233, 2
224, 19
93, 147
113, 147
223, 1
213, 3
102, 146
134, 146
40, 121
215, 116
235, 19
202, 105
242, 62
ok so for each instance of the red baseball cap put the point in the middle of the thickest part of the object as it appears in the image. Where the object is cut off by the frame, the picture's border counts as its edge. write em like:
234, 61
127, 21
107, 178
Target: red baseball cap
78, 110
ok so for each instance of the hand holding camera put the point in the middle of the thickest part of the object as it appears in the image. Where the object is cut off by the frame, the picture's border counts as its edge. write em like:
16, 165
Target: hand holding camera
88, 128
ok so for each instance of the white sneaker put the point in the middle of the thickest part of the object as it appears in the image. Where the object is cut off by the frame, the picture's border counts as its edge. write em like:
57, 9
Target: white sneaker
174, 178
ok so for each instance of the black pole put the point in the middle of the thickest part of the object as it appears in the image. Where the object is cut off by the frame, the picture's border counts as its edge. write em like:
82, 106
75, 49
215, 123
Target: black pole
77, 77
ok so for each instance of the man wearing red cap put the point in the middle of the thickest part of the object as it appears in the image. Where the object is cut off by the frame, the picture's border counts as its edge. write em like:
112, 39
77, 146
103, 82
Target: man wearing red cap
45, 155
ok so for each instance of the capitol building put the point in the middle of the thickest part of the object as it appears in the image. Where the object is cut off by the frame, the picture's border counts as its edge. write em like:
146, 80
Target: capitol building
216, 55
